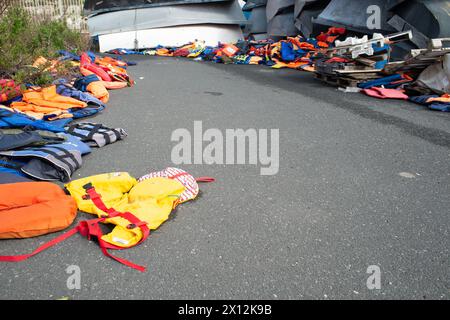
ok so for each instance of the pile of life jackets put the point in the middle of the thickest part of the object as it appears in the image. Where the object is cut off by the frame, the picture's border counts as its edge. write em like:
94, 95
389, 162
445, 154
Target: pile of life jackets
38, 138
40, 141
46, 152
401, 86
133, 206
293, 52
305, 54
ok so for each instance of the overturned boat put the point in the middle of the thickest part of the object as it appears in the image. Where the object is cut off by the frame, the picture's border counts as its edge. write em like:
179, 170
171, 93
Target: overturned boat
139, 24
255, 11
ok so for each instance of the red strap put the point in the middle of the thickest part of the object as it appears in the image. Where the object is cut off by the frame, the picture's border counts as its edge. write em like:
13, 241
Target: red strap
138, 223
121, 260
205, 179
87, 228
51, 243
97, 200
47, 245
199, 179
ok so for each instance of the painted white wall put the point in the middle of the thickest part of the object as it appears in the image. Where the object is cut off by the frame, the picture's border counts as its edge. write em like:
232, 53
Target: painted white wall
171, 36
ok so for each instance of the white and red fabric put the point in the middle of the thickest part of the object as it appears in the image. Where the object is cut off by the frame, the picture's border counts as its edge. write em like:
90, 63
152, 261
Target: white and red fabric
181, 176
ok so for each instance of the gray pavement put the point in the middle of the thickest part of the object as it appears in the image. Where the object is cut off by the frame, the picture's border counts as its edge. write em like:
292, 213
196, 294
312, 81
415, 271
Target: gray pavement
340, 202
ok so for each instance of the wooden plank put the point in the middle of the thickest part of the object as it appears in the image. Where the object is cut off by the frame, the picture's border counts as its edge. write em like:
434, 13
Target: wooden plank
366, 61
358, 71
365, 76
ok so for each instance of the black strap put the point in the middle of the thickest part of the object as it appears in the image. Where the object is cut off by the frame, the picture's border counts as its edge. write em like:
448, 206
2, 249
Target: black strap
106, 137
79, 135
117, 134
67, 154
62, 158
71, 128
90, 128
114, 131
94, 130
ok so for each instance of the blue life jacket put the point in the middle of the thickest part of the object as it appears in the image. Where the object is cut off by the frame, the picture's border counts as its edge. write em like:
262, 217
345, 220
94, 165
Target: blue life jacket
91, 55
88, 111
95, 134
434, 105
124, 51
15, 99
66, 55
313, 41
6, 177
94, 104
287, 52
11, 119
64, 89
51, 162
422, 99
381, 81
82, 82
12, 166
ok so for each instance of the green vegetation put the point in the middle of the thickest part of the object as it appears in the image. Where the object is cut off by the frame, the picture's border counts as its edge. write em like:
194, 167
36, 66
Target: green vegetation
23, 40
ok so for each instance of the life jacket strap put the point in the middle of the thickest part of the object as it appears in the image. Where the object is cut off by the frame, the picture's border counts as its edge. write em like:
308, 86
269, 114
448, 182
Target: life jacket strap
93, 229
45, 246
87, 228
199, 179
205, 179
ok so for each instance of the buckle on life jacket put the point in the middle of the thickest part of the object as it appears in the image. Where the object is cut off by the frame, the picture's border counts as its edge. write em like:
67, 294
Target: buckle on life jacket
88, 186
136, 224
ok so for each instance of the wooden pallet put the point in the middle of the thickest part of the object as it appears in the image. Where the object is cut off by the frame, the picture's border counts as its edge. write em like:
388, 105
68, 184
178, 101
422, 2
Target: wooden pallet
336, 81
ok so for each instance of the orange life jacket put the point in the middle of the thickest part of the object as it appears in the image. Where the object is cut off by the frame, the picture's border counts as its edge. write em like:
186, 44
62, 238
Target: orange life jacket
38, 103
47, 100
29, 209
108, 60
114, 85
98, 90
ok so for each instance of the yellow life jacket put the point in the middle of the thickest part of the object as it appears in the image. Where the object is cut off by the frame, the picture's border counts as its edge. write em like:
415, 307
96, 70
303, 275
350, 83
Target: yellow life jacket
150, 200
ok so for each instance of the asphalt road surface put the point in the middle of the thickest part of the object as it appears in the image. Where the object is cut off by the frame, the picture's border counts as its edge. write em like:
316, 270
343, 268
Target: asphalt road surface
361, 182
